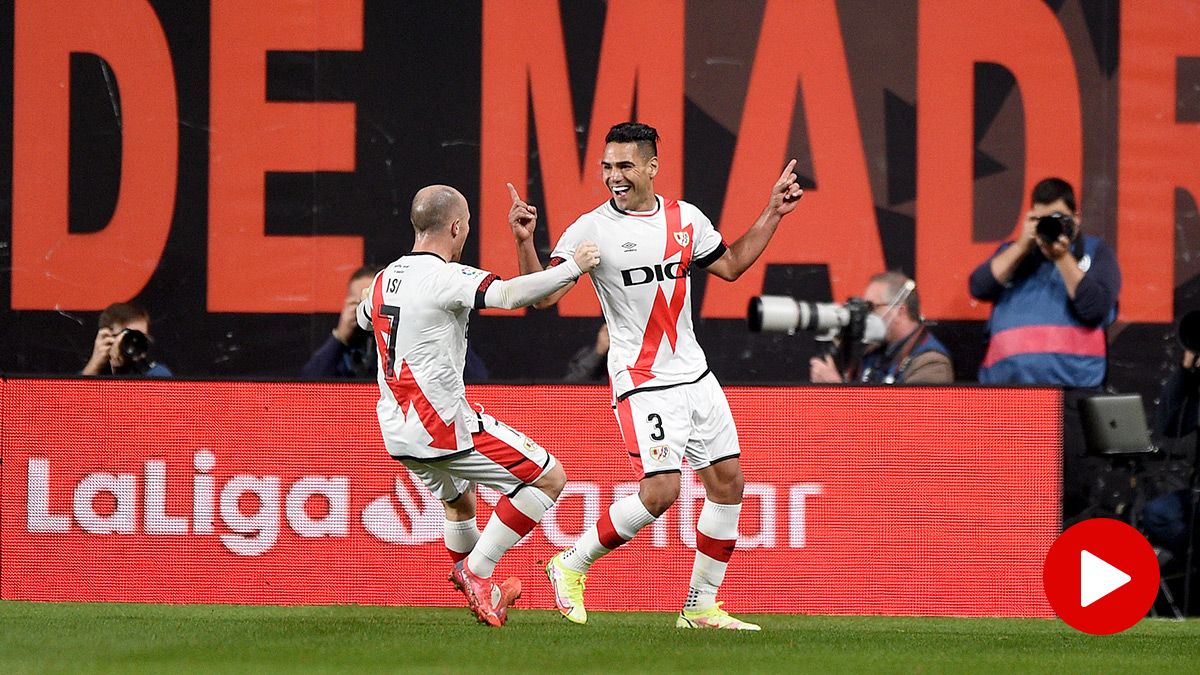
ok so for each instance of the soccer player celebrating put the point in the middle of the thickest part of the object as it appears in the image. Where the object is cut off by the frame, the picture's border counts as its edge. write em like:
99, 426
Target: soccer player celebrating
667, 402
418, 308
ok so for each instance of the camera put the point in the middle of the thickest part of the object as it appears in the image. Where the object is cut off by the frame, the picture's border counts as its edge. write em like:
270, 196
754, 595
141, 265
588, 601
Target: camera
134, 345
783, 314
1052, 226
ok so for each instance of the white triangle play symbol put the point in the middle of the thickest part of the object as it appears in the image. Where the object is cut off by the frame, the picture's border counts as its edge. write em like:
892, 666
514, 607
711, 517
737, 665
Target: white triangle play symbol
1097, 578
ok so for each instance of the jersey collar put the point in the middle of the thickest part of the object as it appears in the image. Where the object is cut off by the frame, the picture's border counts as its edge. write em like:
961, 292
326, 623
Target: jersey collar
411, 253
638, 214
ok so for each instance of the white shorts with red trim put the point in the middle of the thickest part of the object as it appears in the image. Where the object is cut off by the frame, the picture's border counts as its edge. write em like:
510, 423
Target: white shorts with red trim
662, 426
503, 459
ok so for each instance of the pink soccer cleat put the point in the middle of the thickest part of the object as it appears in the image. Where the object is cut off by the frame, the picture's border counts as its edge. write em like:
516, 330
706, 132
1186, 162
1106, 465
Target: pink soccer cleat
483, 597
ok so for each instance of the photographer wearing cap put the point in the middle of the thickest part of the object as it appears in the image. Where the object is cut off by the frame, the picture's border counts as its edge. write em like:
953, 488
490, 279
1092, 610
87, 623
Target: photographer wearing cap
909, 353
1053, 291
122, 345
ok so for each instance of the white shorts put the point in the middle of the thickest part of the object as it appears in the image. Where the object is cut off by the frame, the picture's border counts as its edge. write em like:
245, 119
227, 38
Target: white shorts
503, 459
662, 426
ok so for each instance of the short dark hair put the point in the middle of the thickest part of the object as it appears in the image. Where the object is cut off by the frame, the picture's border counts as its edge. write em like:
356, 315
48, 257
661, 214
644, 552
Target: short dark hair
644, 135
364, 272
122, 313
1050, 190
895, 285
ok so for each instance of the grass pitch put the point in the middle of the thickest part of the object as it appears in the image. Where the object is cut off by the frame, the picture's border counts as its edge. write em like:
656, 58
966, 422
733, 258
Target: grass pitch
127, 638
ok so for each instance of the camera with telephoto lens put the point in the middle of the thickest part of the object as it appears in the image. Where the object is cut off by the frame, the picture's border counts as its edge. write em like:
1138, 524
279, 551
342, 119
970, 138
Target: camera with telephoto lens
783, 314
1052, 226
134, 345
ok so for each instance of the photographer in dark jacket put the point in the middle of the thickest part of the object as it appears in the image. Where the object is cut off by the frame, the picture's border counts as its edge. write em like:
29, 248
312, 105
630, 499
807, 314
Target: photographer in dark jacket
590, 363
122, 344
1167, 519
349, 351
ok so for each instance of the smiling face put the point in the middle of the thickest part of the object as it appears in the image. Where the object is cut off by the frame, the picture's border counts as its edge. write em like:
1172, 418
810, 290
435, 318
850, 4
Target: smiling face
628, 174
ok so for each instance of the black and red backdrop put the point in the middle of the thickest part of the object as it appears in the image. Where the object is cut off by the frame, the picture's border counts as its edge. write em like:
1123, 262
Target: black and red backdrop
228, 164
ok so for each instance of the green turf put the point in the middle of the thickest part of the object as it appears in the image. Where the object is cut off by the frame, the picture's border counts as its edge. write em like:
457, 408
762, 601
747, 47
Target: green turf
45, 637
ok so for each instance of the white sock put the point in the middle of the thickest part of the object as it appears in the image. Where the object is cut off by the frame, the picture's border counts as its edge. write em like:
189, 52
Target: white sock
716, 536
513, 519
616, 526
460, 537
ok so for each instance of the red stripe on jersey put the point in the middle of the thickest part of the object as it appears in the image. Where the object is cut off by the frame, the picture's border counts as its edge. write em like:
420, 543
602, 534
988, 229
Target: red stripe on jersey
487, 282
718, 549
507, 457
382, 329
629, 435
664, 315
403, 384
609, 538
407, 391
513, 517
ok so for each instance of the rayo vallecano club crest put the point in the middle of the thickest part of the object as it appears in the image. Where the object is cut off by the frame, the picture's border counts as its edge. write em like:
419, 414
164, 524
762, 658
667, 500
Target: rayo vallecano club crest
683, 238
658, 453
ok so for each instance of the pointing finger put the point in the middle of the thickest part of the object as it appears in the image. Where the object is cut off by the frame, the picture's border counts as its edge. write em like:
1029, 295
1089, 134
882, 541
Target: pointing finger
791, 165
512, 192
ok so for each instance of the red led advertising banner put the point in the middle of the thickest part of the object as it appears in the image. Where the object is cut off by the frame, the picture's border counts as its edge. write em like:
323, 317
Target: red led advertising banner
916, 501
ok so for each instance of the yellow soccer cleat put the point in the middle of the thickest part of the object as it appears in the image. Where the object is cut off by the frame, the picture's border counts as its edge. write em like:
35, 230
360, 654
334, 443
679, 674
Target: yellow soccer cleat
568, 589
713, 617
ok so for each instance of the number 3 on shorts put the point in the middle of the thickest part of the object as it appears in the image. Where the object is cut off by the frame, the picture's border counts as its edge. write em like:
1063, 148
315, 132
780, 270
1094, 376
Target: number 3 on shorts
658, 434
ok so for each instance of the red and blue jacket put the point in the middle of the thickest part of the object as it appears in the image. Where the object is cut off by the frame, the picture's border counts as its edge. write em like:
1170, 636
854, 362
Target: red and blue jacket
1039, 335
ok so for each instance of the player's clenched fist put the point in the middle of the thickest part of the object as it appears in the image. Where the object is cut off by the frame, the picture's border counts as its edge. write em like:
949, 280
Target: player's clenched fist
587, 256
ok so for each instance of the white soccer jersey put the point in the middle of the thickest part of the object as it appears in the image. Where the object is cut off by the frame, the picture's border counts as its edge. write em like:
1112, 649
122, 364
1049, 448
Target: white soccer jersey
645, 288
419, 306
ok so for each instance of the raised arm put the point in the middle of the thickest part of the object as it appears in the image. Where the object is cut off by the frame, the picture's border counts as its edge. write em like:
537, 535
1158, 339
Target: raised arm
743, 252
522, 218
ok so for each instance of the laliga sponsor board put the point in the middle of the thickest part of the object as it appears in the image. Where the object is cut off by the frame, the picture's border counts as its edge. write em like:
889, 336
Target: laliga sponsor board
858, 500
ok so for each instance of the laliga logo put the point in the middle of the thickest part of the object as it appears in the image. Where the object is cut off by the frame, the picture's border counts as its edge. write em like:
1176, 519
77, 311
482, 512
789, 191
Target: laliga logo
418, 521
408, 515
249, 534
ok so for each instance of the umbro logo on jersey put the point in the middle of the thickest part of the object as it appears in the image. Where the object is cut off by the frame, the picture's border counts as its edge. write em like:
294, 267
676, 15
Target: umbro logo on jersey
636, 276
629, 246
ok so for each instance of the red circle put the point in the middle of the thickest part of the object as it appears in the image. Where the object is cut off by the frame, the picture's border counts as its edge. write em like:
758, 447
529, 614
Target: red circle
1115, 544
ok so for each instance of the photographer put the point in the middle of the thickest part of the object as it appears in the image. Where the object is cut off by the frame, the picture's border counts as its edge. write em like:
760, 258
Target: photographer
122, 344
909, 353
349, 351
590, 363
1053, 290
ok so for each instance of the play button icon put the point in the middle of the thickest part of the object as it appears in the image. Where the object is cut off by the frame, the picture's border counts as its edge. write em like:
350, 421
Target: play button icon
1101, 576
1097, 578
